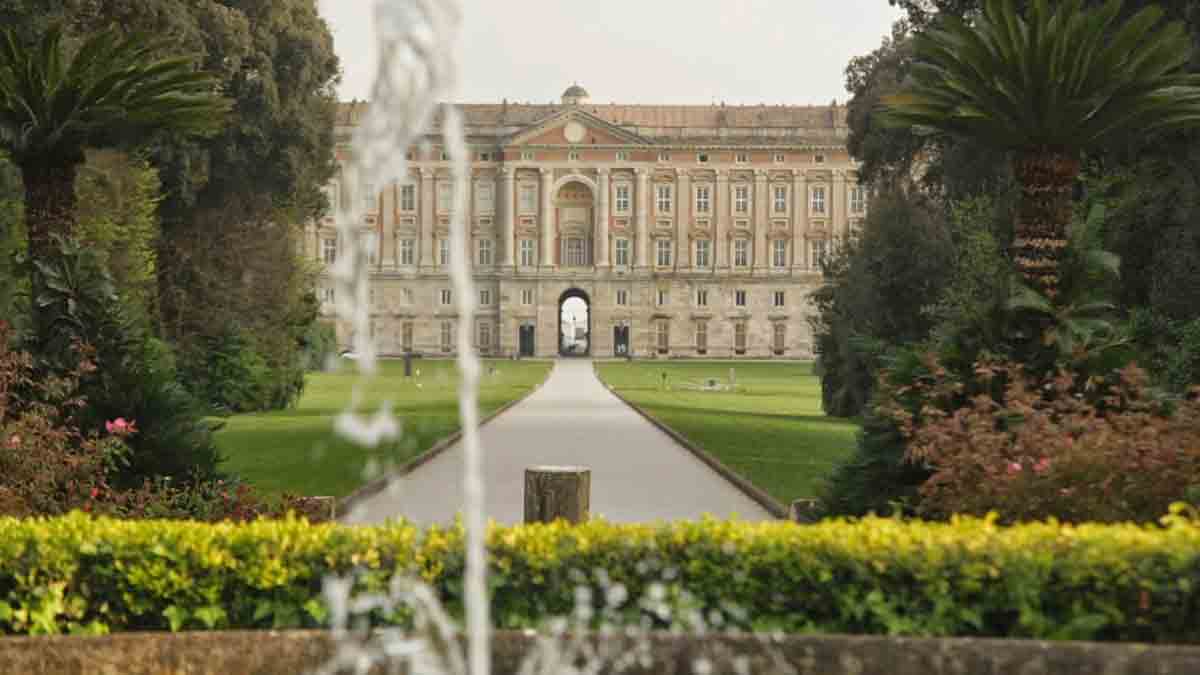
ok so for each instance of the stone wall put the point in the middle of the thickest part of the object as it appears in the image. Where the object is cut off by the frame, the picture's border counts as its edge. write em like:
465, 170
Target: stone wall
290, 653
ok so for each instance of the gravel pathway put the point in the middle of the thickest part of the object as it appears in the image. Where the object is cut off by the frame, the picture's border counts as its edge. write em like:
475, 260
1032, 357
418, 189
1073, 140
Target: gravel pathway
639, 474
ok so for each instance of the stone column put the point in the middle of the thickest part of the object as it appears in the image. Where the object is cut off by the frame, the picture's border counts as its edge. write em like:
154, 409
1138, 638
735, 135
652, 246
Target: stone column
505, 204
760, 221
547, 216
683, 220
602, 221
799, 220
838, 223
428, 221
723, 204
642, 259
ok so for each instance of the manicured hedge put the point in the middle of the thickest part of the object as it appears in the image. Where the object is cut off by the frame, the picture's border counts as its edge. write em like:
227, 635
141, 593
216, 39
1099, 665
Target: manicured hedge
968, 577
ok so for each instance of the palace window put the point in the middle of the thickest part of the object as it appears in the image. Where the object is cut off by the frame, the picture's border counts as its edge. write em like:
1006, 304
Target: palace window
483, 198
408, 251
445, 197
702, 157
526, 156
741, 252
663, 297
370, 245
777, 299
664, 198
780, 337
527, 253
576, 252
485, 252
664, 336
447, 333
407, 294
622, 298
622, 252
858, 199
327, 295
622, 156
702, 297
817, 250
329, 250
742, 158
406, 336
527, 195
573, 156
739, 337
703, 253
445, 156
444, 252
818, 200
702, 199
818, 159
780, 199
485, 156
445, 296
702, 337
780, 158
526, 296
779, 253
741, 198
485, 297
663, 248
664, 156
485, 336
622, 199
739, 298
408, 197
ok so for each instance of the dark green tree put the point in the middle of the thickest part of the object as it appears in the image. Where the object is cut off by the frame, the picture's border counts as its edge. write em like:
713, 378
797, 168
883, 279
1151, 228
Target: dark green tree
1047, 87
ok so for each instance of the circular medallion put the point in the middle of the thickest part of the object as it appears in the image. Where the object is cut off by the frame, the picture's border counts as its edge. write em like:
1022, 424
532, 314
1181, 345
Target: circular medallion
574, 132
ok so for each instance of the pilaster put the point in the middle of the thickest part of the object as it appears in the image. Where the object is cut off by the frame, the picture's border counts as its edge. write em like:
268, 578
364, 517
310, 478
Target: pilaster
683, 220
428, 224
799, 220
642, 259
723, 205
602, 221
546, 213
506, 204
761, 225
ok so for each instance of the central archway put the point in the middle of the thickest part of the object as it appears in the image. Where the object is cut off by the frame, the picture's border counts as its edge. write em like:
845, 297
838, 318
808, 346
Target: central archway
574, 323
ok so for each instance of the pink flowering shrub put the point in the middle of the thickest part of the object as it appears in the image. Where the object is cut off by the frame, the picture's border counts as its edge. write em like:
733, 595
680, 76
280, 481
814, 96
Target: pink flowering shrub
49, 467
1047, 450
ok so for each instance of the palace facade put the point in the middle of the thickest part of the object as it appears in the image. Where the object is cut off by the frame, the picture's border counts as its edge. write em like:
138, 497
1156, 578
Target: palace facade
689, 231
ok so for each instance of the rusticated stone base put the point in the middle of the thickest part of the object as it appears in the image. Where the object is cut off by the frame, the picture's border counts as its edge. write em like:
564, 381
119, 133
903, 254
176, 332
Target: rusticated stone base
294, 652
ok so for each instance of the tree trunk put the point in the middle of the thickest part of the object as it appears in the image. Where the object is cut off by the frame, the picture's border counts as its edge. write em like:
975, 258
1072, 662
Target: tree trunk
1047, 180
49, 210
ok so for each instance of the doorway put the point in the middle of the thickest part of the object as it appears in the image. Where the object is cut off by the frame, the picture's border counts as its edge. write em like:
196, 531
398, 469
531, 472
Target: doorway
574, 323
525, 340
620, 340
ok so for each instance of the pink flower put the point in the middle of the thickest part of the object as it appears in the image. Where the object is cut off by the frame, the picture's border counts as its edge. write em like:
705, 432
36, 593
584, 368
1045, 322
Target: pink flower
1014, 468
119, 427
14, 441
1042, 465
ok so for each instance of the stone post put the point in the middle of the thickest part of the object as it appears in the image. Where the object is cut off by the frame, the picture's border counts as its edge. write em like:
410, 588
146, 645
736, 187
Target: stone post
642, 259
601, 246
506, 204
839, 225
553, 492
760, 222
547, 216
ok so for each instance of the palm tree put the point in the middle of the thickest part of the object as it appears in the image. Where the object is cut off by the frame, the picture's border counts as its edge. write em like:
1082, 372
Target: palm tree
112, 90
1047, 86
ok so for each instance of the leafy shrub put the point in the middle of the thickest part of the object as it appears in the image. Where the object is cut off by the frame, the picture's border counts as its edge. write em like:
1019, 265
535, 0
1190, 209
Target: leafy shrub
1169, 348
228, 374
1044, 449
49, 467
135, 375
320, 343
969, 577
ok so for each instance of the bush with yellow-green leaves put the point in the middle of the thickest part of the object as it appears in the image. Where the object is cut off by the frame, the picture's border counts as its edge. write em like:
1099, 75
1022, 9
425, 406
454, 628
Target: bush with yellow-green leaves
973, 577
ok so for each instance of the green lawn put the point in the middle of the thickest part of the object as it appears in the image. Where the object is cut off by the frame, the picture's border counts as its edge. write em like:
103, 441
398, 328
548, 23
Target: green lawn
296, 451
770, 429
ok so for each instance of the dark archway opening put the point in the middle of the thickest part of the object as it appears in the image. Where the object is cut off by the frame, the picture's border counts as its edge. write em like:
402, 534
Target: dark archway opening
574, 323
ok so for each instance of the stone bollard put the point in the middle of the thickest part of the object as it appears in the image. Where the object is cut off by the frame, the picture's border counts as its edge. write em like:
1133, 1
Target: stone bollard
803, 511
553, 492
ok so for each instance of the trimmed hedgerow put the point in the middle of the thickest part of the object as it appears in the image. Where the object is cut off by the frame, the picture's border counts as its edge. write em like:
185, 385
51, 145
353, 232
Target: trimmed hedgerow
966, 577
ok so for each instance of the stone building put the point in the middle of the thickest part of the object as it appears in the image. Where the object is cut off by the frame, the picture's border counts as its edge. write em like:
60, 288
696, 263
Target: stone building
688, 231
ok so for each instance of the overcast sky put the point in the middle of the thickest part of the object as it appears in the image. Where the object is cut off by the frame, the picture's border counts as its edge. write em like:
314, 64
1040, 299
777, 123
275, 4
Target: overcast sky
640, 51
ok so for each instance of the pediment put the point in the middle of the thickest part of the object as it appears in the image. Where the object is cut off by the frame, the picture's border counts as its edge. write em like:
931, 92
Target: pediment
574, 128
